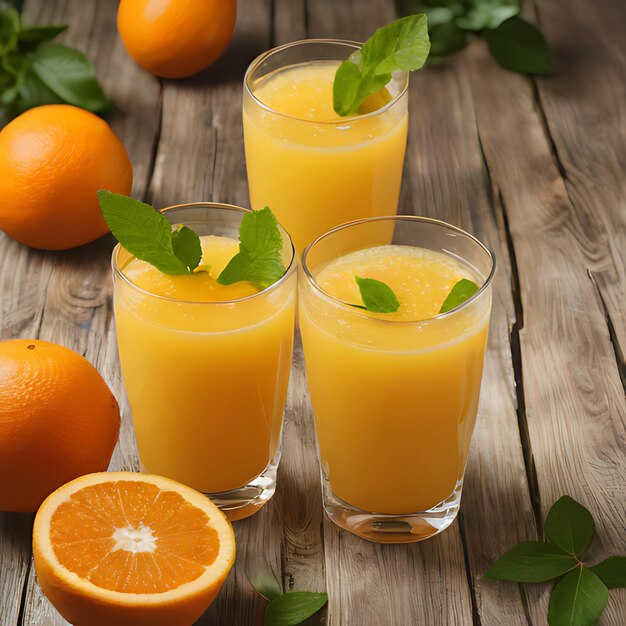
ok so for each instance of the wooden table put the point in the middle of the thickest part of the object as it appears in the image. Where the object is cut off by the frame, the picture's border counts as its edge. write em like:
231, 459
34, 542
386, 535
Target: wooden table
533, 167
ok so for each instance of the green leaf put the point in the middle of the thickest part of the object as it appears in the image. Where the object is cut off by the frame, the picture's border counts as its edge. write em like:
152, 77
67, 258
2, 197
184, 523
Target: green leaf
446, 39
40, 32
401, 45
531, 562
34, 93
69, 74
187, 247
570, 526
9, 28
612, 572
462, 291
259, 258
261, 575
488, 14
15, 66
578, 599
143, 231
519, 46
438, 12
377, 296
293, 608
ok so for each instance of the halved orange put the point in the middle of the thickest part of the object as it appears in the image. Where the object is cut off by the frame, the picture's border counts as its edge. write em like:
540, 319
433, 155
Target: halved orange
129, 549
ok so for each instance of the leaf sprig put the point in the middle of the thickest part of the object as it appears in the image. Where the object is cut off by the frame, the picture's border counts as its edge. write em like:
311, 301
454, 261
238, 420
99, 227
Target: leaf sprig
34, 71
515, 43
401, 45
582, 592
148, 235
284, 609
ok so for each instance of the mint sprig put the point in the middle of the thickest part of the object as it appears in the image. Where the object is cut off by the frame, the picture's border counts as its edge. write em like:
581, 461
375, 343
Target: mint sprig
401, 45
284, 609
148, 235
581, 595
34, 71
259, 258
462, 291
516, 44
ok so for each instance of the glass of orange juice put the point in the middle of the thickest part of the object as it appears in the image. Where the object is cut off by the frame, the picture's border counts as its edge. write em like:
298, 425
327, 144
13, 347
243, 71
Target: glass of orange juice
395, 395
314, 168
206, 366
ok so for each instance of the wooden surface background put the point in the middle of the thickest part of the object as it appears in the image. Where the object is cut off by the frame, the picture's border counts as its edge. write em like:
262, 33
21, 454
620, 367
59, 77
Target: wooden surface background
533, 167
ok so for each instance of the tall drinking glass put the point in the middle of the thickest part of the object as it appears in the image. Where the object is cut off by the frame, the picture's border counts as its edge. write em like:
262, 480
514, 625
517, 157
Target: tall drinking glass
312, 167
395, 395
206, 376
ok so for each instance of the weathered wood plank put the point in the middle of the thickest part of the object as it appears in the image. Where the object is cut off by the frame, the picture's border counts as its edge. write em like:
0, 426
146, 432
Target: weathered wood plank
585, 114
73, 306
446, 178
574, 399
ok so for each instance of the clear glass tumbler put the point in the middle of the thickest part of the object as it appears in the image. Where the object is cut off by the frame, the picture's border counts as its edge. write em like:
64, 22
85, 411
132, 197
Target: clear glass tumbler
207, 381
314, 169
395, 402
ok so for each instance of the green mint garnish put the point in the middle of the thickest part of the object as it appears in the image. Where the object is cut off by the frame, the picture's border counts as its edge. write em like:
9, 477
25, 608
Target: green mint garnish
293, 607
259, 258
462, 291
581, 595
377, 296
514, 43
401, 45
284, 609
147, 234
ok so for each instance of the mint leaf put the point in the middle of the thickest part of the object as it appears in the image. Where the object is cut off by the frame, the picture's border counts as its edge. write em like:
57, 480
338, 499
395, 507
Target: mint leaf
531, 562
488, 14
401, 45
293, 608
612, 572
187, 247
570, 526
446, 38
377, 296
462, 291
9, 28
70, 75
40, 32
142, 230
519, 46
259, 258
578, 599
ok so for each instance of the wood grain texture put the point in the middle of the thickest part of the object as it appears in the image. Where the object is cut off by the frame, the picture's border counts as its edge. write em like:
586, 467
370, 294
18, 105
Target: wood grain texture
584, 110
574, 399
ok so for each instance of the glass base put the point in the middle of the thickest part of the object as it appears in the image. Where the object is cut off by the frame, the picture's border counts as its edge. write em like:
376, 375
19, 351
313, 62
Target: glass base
245, 501
383, 528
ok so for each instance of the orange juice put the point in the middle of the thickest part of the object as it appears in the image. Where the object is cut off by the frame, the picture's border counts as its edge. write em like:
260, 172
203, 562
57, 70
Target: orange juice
395, 395
312, 167
206, 368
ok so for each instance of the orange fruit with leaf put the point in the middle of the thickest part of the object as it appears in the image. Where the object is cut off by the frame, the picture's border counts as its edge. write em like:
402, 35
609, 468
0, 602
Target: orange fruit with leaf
176, 38
58, 420
53, 160
129, 549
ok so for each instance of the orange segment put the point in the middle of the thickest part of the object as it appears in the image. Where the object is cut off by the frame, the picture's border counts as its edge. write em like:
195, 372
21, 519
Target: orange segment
131, 549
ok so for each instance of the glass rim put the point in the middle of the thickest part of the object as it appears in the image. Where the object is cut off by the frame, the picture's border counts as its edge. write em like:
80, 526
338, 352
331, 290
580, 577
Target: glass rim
117, 271
408, 218
292, 44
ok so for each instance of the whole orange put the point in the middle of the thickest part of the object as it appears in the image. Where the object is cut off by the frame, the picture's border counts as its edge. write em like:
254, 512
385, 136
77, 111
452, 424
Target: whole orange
58, 421
176, 38
53, 160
